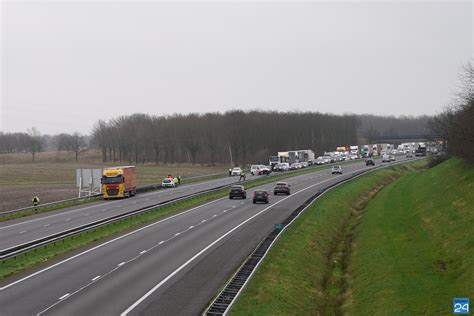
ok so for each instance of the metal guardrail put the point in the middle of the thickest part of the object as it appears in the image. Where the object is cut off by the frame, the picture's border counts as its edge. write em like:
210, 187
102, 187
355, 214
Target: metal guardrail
25, 247
141, 189
223, 302
34, 208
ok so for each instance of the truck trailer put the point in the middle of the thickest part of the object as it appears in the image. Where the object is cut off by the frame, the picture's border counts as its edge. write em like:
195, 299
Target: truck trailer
306, 155
118, 182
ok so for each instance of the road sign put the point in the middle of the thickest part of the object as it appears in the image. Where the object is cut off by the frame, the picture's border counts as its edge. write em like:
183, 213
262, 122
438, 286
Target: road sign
88, 181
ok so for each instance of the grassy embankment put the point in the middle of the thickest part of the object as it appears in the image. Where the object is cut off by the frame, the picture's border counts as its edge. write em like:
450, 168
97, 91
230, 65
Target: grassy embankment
32, 258
362, 250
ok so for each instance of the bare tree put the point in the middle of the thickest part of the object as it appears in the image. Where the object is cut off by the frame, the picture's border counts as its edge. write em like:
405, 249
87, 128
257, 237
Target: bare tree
34, 142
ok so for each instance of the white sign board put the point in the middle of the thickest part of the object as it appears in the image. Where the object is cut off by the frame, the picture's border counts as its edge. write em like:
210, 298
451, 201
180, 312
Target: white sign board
88, 181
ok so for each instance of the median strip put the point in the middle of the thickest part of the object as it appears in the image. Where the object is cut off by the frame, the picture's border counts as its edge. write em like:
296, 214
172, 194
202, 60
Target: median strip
112, 227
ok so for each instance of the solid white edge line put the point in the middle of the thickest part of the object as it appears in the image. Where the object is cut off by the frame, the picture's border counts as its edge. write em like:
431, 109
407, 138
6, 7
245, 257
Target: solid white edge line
156, 287
115, 239
97, 277
59, 214
102, 245
64, 296
375, 168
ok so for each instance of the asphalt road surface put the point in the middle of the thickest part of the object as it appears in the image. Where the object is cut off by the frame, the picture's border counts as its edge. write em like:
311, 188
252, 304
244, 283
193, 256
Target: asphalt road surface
171, 267
25, 229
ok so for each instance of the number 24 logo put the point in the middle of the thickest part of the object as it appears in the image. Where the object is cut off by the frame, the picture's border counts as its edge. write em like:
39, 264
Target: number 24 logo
459, 308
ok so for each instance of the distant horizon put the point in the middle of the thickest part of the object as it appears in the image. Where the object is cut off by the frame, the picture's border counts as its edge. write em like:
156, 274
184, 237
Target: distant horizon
61, 74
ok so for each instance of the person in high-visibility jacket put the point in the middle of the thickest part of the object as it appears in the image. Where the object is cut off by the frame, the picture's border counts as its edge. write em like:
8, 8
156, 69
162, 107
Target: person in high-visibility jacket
175, 180
35, 200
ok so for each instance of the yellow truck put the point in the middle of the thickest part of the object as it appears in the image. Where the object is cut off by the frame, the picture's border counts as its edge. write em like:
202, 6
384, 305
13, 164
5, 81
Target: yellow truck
118, 182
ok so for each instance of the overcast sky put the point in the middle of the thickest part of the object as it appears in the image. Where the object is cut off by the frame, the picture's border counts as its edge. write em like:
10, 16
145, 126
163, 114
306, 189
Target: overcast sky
64, 65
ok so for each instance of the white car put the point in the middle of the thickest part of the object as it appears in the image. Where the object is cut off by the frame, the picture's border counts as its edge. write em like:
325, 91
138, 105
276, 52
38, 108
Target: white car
304, 164
237, 171
336, 169
295, 166
385, 158
255, 169
264, 170
168, 183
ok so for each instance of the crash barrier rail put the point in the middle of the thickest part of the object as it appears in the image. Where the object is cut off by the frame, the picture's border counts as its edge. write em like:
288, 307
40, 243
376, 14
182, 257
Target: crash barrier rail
73, 201
141, 189
223, 302
25, 247
54, 204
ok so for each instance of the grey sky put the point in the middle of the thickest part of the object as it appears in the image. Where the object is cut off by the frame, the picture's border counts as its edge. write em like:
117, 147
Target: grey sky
67, 64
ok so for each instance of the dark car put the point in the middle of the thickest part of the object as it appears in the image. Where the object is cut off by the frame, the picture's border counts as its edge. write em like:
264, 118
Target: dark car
237, 191
282, 187
260, 196
370, 162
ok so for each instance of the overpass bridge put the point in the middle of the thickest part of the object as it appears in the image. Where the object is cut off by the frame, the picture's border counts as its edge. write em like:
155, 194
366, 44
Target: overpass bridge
406, 138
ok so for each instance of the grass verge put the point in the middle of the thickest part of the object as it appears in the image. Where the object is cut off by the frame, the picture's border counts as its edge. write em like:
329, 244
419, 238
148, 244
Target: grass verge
304, 273
42, 208
415, 245
47, 208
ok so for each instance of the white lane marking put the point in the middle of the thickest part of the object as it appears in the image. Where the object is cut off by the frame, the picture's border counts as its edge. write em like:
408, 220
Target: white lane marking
160, 284
142, 252
46, 225
190, 227
161, 242
121, 237
133, 259
234, 206
67, 219
64, 296
224, 211
121, 264
215, 215
177, 234
59, 214
23, 231
104, 244
96, 278
203, 221
104, 210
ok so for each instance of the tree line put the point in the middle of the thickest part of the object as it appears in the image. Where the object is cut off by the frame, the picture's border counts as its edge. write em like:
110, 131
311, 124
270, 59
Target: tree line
455, 125
233, 137
33, 142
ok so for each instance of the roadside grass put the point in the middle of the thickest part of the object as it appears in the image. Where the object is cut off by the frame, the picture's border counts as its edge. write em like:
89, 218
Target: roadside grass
47, 208
303, 273
40, 255
37, 256
10, 198
414, 250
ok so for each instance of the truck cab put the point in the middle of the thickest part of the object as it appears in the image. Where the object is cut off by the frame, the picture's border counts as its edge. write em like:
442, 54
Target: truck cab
118, 182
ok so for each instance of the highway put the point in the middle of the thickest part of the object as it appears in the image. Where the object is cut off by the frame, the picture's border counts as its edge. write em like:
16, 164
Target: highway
171, 267
30, 228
